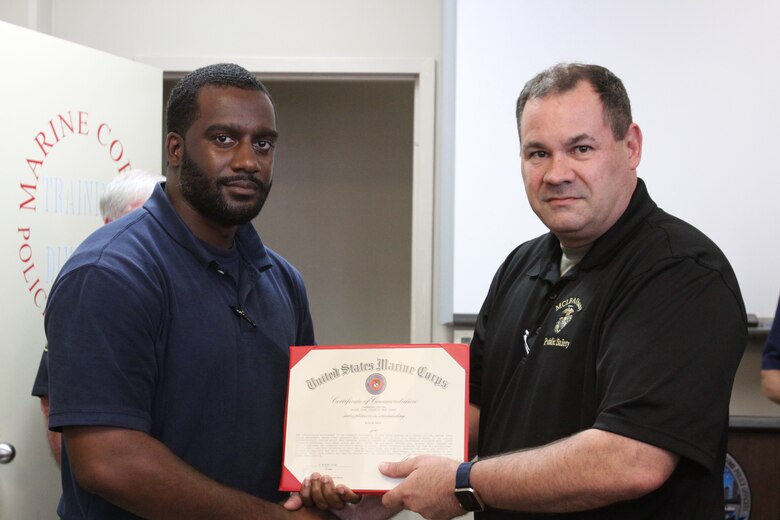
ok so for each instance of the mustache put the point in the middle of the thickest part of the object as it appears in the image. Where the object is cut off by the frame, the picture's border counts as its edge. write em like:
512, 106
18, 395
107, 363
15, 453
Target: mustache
553, 192
242, 178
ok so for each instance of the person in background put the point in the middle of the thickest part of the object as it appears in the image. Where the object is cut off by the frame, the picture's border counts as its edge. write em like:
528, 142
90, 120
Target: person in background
124, 193
770, 361
605, 352
170, 391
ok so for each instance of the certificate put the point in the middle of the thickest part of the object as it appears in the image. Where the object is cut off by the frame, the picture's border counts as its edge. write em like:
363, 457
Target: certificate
351, 407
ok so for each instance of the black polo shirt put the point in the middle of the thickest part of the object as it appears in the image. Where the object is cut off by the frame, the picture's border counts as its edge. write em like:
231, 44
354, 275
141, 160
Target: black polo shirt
642, 338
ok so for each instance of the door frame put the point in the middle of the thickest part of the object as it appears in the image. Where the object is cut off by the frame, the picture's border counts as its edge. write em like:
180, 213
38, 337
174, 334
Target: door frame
422, 71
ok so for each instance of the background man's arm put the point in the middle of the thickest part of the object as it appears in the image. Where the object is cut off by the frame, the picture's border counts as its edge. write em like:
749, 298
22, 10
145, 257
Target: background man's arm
140, 474
588, 470
770, 384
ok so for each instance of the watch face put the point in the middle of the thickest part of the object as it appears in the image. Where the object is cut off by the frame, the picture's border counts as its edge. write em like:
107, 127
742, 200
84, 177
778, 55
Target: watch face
469, 500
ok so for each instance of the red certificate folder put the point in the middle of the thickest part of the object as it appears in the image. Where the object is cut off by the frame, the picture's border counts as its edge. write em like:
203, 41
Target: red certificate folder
350, 407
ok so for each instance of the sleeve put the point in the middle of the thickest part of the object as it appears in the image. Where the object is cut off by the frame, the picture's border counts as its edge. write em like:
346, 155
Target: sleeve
102, 360
770, 359
41, 383
671, 345
305, 332
477, 346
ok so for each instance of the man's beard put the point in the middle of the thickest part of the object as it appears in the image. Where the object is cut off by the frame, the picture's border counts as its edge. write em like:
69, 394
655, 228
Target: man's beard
206, 197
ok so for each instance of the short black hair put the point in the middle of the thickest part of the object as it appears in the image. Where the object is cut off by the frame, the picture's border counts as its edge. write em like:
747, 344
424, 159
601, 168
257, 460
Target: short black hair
182, 108
565, 77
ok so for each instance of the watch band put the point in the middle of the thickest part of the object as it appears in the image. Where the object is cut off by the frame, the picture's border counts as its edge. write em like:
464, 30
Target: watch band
464, 493
463, 475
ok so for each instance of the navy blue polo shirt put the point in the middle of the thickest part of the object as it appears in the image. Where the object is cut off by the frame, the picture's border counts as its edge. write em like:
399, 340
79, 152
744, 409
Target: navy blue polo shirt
141, 335
771, 357
642, 338
41, 383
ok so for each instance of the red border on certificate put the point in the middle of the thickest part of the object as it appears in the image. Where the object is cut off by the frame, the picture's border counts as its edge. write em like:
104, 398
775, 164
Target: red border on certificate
334, 378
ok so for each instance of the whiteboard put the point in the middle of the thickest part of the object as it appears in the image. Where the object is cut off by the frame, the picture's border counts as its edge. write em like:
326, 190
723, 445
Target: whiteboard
705, 90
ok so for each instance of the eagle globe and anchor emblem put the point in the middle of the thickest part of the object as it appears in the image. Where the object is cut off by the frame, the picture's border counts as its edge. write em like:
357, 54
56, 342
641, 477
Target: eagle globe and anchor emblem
568, 314
376, 384
566, 309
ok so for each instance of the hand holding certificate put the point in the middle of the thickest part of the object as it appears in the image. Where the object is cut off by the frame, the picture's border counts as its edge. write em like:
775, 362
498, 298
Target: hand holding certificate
349, 408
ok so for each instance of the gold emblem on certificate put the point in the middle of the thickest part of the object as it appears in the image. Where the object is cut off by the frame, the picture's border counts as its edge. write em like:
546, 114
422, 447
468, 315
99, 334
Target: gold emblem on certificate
375, 384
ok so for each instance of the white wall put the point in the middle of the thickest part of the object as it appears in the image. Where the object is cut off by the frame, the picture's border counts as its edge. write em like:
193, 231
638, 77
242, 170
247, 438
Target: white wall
302, 28
31, 14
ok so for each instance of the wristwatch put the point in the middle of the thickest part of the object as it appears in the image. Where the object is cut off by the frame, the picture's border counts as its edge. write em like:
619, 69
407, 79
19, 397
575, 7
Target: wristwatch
466, 494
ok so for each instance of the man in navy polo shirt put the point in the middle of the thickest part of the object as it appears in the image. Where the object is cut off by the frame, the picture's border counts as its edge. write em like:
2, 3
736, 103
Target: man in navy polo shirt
604, 354
770, 361
168, 330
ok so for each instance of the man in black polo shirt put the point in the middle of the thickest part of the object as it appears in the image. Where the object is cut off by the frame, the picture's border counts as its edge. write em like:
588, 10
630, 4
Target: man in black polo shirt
604, 354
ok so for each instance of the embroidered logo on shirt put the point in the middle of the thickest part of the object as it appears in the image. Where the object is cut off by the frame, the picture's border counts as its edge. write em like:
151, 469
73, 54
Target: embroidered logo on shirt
566, 309
556, 342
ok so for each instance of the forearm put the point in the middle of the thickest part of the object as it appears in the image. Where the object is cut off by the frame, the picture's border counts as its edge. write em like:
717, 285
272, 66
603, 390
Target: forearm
473, 430
588, 470
138, 473
770, 384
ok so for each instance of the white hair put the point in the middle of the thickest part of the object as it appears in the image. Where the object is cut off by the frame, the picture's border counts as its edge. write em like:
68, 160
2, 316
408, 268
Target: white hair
125, 191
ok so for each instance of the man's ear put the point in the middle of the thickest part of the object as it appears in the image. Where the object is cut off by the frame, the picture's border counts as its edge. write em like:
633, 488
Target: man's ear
633, 142
174, 148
